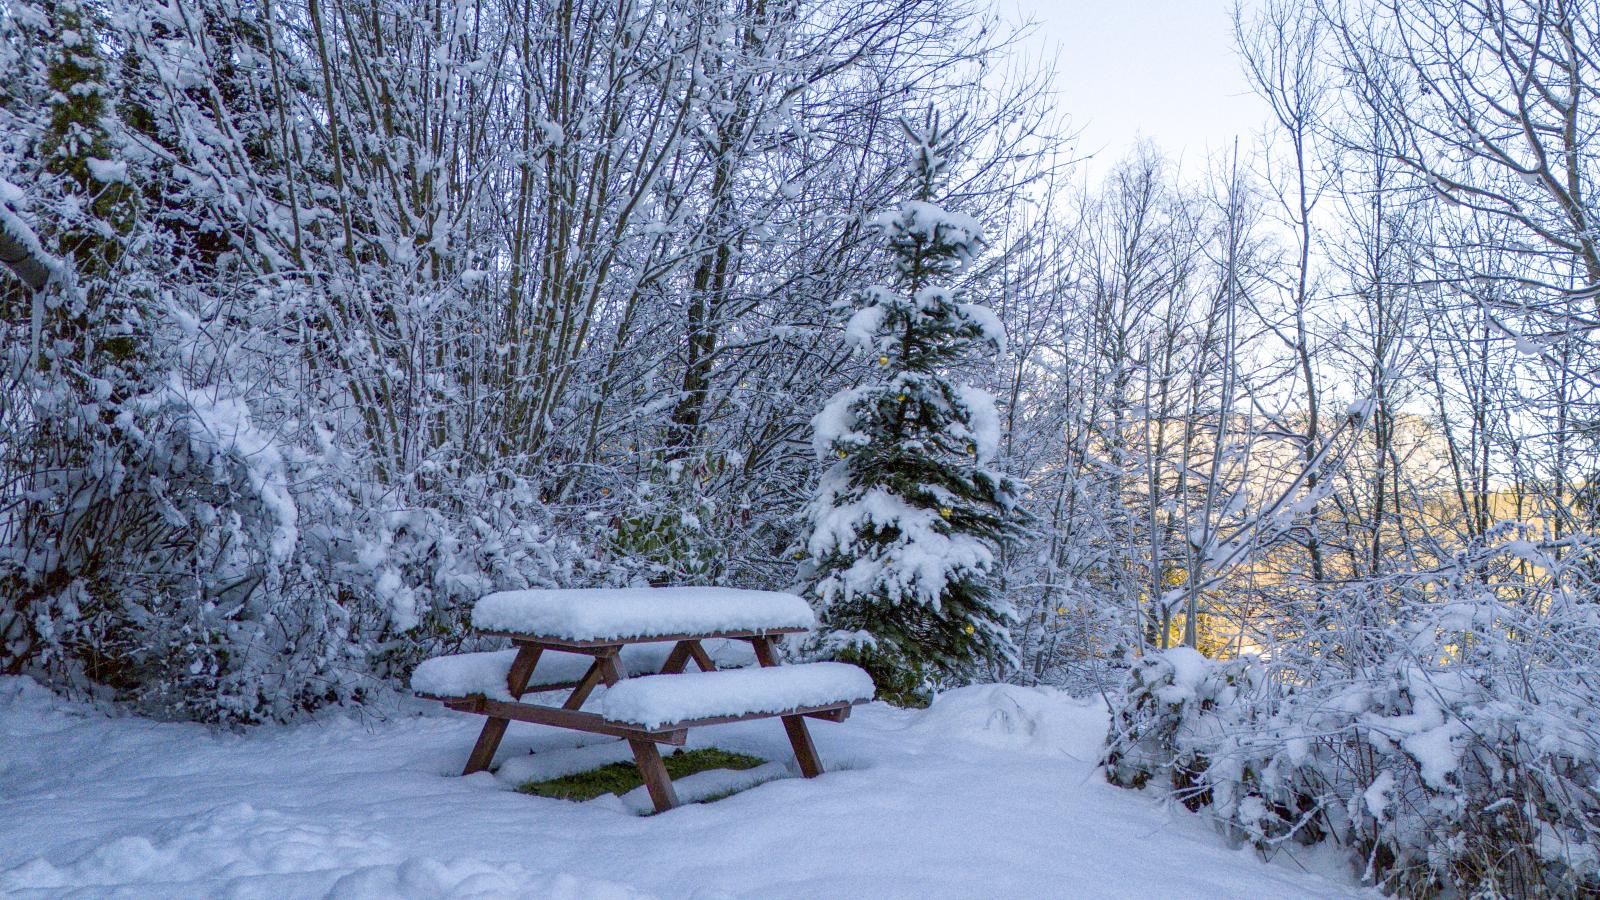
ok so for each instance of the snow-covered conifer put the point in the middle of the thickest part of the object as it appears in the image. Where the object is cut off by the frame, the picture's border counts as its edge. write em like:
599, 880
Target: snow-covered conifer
907, 521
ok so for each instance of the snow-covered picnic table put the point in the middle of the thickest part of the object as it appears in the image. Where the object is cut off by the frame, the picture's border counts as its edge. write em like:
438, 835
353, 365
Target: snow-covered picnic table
581, 639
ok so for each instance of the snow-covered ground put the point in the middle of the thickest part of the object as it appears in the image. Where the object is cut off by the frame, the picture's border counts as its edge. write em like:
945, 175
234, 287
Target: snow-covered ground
990, 793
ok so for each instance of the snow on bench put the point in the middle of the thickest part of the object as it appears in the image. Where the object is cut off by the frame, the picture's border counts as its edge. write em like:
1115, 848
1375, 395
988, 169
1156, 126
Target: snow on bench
467, 674
670, 699
617, 613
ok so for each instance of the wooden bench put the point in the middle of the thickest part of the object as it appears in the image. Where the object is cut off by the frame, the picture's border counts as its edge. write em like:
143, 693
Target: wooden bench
487, 673
584, 647
823, 690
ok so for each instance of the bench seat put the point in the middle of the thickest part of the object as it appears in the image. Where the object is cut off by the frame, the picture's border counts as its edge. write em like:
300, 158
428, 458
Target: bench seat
484, 674
679, 701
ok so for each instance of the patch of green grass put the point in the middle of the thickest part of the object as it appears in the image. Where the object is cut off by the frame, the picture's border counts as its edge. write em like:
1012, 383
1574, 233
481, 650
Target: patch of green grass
621, 777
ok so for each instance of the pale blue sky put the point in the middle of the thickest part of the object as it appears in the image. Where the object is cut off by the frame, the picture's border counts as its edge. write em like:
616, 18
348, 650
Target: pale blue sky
1162, 69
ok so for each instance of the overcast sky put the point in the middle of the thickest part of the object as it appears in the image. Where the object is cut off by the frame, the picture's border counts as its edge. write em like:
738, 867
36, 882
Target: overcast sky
1162, 69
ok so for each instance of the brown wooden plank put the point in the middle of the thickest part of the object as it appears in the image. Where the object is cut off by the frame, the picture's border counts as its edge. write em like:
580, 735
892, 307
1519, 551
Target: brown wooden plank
701, 657
522, 669
766, 650
587, 650
610, 673
579, 646
493, 730
677, 660
805, 752
488, 741
831, 714
654, 772
828, 711
589, 721
576, 720
586, 686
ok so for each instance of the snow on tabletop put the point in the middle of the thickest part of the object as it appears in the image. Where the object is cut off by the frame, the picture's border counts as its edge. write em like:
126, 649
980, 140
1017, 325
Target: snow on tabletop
664, 700
615, 613
465, 674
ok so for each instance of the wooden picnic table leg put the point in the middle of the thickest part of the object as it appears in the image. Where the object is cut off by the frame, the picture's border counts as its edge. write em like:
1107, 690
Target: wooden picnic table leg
677, 660
766, 650
603, 669
701, 657
682, 652
645, 754
654, 772
610, 672
585, 687
805, 752
495, 728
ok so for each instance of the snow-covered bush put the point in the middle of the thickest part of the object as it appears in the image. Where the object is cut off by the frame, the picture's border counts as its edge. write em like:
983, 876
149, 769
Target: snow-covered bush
214, 504
1452, 779
202, 566
1463, 756
419, 567
1171, 718
665, 533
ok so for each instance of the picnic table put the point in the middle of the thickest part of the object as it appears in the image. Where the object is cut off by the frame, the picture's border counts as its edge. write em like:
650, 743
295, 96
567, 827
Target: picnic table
583, 639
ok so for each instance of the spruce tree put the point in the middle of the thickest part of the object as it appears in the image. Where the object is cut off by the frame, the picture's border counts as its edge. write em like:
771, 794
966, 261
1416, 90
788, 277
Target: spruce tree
909, 518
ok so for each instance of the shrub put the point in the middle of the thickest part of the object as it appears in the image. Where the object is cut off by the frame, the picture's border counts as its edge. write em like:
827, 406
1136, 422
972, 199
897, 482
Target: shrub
1463, 757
